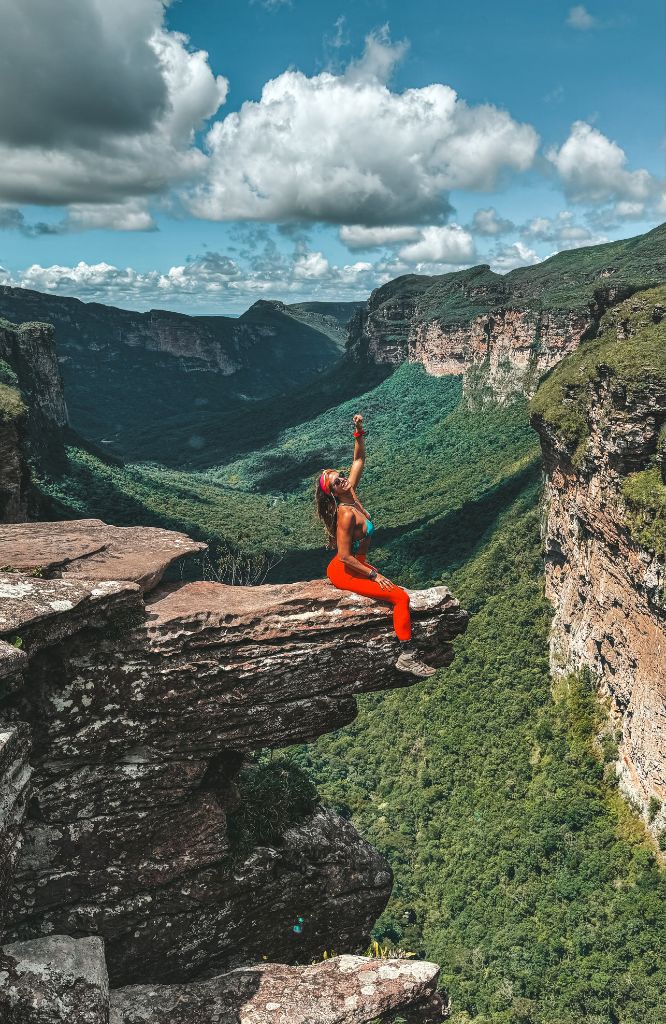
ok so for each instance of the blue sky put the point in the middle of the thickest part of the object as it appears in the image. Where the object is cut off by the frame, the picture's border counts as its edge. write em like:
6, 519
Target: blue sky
202, 155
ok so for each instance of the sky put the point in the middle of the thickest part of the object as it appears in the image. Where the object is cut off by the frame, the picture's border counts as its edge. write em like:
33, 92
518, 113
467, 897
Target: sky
199, 155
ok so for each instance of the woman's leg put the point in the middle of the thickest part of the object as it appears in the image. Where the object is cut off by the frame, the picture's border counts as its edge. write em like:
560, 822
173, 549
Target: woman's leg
341, 578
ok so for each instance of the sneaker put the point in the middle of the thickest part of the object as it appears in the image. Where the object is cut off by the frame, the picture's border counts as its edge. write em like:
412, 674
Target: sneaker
408, 662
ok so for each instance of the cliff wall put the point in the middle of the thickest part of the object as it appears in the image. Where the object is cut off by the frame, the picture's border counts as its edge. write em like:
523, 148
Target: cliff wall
515, 326
32, 413
124, 371
600, 417
142, 700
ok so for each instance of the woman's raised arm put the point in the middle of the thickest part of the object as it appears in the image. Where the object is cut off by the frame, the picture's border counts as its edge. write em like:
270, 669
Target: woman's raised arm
358, 465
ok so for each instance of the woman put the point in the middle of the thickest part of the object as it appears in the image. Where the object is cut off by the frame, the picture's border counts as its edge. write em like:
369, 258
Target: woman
349, 526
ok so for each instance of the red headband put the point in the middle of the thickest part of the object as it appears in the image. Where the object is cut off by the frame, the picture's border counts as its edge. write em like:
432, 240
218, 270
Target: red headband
324, 484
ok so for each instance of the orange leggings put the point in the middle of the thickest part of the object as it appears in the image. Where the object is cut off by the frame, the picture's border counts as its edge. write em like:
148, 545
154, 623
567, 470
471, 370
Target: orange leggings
341, 577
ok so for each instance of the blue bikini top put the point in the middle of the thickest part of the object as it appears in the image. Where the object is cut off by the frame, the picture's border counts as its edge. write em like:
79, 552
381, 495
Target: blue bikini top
368, 533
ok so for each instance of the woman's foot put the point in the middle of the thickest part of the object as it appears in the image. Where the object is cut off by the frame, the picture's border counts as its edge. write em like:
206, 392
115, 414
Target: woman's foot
409, 662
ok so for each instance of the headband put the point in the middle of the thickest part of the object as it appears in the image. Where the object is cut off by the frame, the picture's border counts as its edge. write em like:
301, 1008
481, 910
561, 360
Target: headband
324, 484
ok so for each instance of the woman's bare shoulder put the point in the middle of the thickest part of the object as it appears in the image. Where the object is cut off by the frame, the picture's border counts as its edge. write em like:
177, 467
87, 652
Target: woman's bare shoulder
346, 514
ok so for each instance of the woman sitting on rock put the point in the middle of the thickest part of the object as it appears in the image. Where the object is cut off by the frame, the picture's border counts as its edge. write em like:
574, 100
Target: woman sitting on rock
349, 527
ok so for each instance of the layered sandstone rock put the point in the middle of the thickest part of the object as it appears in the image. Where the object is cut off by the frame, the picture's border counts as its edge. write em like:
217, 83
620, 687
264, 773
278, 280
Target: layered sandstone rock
513, 326
343, 990
607, 590
142, 706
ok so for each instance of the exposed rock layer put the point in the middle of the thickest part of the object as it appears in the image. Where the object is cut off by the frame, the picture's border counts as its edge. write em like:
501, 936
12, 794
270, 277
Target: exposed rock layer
608, 591
141, 709
515, 326
343, 990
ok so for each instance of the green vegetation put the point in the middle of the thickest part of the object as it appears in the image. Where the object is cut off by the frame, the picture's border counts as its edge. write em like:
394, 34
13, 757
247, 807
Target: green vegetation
437, 476
518, 866
569, 282
631, 351
645, 498
12, 406
273, 795
7, 375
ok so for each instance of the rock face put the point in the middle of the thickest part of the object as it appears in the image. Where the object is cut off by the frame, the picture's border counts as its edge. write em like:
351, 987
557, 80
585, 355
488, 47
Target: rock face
607, 588
126, 370
143, 700
343, 990
31, 422
514, 326
56, 980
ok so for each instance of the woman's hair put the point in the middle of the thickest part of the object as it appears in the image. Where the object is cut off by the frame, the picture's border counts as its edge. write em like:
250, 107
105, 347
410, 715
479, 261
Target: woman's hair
327, 510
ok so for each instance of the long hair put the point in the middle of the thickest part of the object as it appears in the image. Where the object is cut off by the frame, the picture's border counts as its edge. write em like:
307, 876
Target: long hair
327, 511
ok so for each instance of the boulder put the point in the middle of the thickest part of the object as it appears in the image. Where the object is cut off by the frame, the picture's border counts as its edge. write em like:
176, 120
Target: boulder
342, 990
54, 980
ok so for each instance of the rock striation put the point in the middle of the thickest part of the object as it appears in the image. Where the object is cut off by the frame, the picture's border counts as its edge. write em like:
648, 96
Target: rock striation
601, 422
509, 328
33, 413
143, 699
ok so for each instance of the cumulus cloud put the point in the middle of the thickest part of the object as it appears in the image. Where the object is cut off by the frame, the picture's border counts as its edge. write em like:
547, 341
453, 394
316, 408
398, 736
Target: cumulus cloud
346, 149
509, 257
488, 222
592, 168
579, 17
356, 236
100, 101
447, 244
561, 231
211, 280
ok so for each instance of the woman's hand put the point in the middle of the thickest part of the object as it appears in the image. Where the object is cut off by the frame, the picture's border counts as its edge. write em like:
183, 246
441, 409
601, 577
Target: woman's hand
357, 420
383, 582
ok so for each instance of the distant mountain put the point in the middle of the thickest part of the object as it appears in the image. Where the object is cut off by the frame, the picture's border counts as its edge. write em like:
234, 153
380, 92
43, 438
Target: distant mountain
125, 370
516, 325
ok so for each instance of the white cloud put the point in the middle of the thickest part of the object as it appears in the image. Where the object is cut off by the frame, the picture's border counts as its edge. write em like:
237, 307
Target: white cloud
562, 231
488, 222
579, 17
355, 236
211, 279
509, 257
447, 244
344, 148
132, 215
110, 101
592, 169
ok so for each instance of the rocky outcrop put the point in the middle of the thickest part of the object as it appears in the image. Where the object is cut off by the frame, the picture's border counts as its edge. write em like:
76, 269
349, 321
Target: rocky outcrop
55, 980
60, 980
143, 700
343, 990
32, 414
598, 427
514, 326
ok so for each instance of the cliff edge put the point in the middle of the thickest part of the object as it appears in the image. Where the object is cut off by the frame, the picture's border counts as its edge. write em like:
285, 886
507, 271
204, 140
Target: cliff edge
142, 700
601, 417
